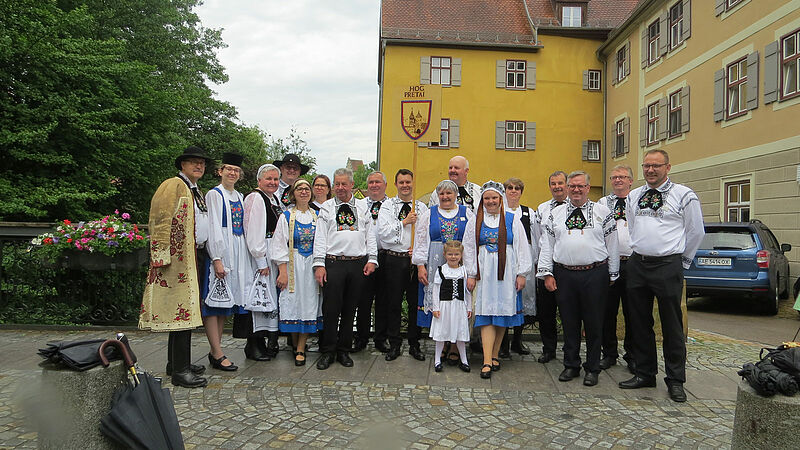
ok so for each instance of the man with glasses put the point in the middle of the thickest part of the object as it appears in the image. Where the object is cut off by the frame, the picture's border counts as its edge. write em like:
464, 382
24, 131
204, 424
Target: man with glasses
291, 169
577, 261
621, 182
666, 228
546, 300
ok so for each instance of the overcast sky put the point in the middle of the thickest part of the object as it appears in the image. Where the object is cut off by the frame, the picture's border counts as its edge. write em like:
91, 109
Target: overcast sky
308, 64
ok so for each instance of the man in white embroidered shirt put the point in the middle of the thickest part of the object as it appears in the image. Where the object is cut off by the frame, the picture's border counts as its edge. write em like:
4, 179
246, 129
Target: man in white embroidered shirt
345, 254
468, 192
577, 261
666, 227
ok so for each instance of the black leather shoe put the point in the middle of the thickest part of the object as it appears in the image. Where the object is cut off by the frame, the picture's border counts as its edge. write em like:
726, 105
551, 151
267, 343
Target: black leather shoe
344, 359
637, 382
300, 362
437, 367
217, 364
486, 374
520, 348
254, 352
607, 362
358, 345
416, 353
546, 357
676, 392
569, 373
464, 367
325, 361
504, 353
392, 354
188, 379
590, 379
194, 368
381, 346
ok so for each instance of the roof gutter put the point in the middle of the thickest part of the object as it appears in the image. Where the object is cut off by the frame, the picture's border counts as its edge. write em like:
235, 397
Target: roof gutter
446, 44
530, 21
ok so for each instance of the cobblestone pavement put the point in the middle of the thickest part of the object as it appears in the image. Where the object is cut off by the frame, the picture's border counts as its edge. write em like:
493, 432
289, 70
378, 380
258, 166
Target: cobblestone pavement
405, 404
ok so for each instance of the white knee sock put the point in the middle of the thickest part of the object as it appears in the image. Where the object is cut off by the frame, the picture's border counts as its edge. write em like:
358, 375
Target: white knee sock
437, 355
462, 351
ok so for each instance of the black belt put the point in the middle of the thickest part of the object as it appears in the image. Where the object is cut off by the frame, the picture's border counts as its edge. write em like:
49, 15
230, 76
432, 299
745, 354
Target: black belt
665, 258
583, 267
344, 258
397, 254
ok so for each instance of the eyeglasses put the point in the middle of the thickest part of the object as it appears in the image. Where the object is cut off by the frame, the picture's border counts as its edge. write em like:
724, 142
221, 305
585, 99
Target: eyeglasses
652, 166
321, 186
514, 188
301, 189
577, 186
231, 169
290, 167
619, 177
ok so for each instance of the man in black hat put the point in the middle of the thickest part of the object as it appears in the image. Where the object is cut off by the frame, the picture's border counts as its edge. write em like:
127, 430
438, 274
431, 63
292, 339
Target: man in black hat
291, 169
177, 259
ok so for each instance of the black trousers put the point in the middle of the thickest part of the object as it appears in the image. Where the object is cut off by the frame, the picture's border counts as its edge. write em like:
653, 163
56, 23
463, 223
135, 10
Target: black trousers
617, 293
581, 297
179, 350
546, 307
372, 291
346, 284
661, 278
398, 277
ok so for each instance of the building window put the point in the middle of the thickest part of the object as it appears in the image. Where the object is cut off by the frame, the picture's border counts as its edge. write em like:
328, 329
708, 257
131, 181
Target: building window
444, 133
732, 3
675, 24
652, 42
515, 74
594, 80
619, 142
515, 135
621, 58
440, 70
593, 151
652, 123
737, 201
736, 88
790, 65
571, 16
675, 108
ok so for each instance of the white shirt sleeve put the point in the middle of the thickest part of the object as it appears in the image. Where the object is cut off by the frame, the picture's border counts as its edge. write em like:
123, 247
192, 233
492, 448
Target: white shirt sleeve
280, 242
437, 285
216, 244
695, 231
470, 249
421, 244
521, 248
546, 242
255, 225
321, 235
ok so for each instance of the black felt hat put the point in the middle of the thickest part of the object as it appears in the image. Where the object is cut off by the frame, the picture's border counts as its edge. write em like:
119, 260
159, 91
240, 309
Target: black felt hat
192, 151
232, 159
292, 158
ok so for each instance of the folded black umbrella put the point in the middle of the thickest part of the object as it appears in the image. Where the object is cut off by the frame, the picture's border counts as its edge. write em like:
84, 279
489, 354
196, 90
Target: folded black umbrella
142, 413
81, 355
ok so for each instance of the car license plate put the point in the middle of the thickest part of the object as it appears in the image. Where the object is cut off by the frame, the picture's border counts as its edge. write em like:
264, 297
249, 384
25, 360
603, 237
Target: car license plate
713, 261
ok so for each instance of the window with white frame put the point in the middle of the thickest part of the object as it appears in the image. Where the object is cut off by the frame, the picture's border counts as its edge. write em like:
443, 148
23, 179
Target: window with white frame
594, 80
440, 70
571, 16
790, 65
732, 3
622, 56
736, 89
515, 74
652, 42
444, 133
619, 142
593, 151
652, 123
737, 201
515, 135
675, 109
675, 24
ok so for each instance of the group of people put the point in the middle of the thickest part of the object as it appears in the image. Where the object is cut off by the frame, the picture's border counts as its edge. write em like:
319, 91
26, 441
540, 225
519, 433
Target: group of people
303, 258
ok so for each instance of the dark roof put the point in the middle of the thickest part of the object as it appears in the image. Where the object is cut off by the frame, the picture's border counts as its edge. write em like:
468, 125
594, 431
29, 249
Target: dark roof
604, 14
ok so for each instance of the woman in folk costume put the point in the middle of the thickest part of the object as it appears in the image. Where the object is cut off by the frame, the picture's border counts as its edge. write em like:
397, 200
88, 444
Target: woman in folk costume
497, 256
261, 213
228, 252
444, 222
292, 250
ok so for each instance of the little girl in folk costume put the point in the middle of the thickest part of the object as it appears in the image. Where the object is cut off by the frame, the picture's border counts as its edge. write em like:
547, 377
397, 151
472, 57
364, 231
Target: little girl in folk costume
452, 305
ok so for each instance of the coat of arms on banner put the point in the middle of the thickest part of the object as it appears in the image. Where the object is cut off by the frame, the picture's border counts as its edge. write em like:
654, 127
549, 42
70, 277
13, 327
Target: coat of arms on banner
415, 116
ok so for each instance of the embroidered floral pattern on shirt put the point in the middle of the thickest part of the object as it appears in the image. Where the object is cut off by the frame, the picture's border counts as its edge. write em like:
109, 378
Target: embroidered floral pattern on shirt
285, 197
182, 314
237, 218
449, 228
304, 238
489, 238
375, 209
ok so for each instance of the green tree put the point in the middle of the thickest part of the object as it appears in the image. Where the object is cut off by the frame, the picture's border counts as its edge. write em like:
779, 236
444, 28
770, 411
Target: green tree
360, 175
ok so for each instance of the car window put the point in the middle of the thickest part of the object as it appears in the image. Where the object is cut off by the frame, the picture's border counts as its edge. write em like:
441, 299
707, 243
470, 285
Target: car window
728, 240
772, 242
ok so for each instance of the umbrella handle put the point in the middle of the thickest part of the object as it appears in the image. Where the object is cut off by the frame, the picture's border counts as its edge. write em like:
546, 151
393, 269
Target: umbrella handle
121, 347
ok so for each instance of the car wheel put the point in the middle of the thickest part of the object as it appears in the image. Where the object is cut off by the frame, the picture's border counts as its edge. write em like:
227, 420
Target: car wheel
771, 303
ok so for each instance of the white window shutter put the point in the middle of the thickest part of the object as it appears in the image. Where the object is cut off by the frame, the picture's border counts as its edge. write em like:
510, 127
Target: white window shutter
644, 48
454, 129
686, 33
530, 76
685, 109
585, 80
585, 150
530, 135
627, 59
626, 123
455, 73
719, 7
643, 127
425, 70
499, 134
500, 80
663, 33
771, 72
663, 118
719, 95
752, 80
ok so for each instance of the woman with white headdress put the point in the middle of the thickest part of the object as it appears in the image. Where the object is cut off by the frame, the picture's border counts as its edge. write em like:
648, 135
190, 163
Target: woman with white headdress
497, 257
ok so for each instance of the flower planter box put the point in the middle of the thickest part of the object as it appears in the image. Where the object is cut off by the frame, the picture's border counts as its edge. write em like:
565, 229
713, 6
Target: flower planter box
98, 261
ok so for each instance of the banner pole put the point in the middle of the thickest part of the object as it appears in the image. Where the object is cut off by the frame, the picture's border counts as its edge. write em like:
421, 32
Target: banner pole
414, 192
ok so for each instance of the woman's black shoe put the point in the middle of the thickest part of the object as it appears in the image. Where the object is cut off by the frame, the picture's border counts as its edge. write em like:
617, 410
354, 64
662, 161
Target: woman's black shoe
255, 349
437, 367
453, 358
464, 367
299, 362
217, 364
486, 374
495, 367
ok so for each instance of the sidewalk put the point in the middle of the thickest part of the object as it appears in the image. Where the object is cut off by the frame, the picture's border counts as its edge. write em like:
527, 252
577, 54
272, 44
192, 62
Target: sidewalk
404, 403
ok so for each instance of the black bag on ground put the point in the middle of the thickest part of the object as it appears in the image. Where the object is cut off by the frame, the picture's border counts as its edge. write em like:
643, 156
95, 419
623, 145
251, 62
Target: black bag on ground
777, 371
